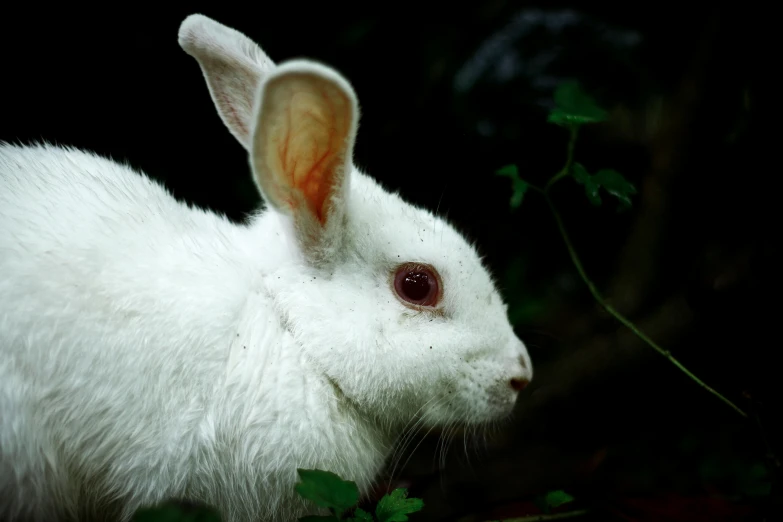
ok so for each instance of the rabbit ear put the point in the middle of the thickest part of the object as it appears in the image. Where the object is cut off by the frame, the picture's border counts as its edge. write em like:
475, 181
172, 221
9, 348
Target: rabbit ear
233, 66
306, 120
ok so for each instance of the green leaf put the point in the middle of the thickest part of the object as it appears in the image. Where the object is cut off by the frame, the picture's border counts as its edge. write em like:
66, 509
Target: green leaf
559, 117
361, 515
574, 106
327, 490
612, 181
579, 172
518, 185
557, 498
592, 192
616, 185
319, 518
395, 507
509, 170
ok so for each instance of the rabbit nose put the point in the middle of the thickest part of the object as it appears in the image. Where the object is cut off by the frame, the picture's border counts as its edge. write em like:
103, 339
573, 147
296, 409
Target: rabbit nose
520, 382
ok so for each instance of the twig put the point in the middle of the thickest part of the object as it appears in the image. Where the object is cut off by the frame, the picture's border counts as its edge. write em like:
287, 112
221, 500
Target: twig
564, 172
627, 323
569, 160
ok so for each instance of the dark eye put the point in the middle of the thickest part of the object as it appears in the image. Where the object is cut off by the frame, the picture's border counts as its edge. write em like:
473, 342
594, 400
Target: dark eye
417, 284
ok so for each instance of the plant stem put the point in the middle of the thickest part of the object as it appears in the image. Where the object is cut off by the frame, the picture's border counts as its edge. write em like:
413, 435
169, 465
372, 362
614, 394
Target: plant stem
617, 315
566, 170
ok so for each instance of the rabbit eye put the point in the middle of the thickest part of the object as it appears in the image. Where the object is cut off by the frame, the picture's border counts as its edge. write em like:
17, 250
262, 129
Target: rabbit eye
417, 284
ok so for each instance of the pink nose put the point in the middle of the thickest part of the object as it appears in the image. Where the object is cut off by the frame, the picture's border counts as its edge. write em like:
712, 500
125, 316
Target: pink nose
518, 384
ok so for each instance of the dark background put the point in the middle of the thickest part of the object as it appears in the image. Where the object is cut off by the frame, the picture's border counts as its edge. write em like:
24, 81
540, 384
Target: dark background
449, 94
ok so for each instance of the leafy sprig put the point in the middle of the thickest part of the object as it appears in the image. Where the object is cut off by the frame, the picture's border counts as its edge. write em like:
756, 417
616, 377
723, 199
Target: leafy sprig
328, 490
573, 109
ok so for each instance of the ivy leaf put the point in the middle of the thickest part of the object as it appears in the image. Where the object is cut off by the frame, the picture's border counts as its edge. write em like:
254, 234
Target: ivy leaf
557, 498
612, 181
591, 186
591, 189
552, 500
510, 171
579, 172
518, 185
395, 507
616, 185
361, 515
574, 107
327, 490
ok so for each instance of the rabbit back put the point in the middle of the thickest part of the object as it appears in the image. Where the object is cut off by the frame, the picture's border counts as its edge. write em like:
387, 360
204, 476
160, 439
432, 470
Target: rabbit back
118, 303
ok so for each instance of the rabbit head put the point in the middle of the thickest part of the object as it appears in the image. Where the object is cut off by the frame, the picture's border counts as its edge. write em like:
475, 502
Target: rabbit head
387, 301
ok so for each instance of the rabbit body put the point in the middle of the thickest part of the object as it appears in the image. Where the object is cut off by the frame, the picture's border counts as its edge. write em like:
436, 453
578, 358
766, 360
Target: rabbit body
151, 350
131, 327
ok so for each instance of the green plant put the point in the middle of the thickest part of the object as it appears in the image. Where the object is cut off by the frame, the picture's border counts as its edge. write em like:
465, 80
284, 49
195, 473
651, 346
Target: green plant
573, 109
553, 499
328, 490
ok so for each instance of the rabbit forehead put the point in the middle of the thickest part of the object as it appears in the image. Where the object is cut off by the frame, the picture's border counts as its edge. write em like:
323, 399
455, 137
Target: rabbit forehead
387, 230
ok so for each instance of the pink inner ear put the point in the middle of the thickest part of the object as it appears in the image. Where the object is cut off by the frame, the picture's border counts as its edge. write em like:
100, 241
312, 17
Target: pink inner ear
311, 148
315, 181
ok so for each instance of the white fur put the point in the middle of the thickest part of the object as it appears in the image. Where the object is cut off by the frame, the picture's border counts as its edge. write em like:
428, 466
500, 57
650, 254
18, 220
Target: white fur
149, 350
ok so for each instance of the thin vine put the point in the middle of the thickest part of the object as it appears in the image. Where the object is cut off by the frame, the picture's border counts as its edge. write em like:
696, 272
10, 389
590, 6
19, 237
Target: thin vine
575, 108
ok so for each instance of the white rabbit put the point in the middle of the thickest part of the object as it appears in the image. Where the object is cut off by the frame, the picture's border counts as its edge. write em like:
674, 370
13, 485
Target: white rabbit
150, 350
